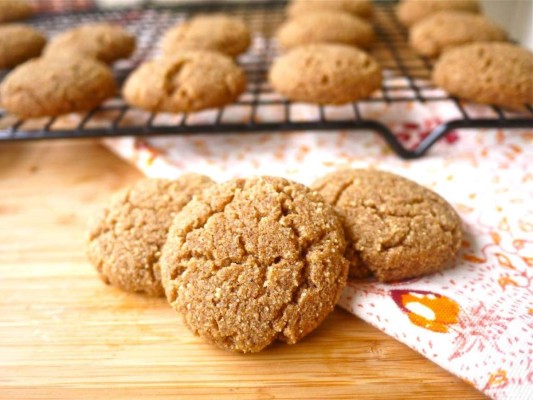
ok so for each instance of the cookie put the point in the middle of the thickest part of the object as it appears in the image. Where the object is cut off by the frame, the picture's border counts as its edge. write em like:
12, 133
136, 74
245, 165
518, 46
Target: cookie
254, 260
447, 29
49, 87
492, 73
125, 240
214, 32
359, 8
411, 11
189, 81
325, 27
395, 228
102, 41
325, 74
14, 10
19, 43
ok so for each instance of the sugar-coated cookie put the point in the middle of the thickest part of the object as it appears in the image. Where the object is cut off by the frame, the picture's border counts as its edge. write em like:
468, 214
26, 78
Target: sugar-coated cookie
14, 10
19, 43
359, 8
411, 11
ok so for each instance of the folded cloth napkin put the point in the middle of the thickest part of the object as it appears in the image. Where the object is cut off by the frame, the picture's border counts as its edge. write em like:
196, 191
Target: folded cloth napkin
476, 319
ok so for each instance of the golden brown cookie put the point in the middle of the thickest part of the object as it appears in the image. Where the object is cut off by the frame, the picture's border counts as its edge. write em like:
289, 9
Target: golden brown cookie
215, 32
49, 87
102, 41
325, 74
395, 228
447, 29
14, 10
492, 73
411, 11
359, 8
125, 240
189, 81
254, 260
19, 43
325, 27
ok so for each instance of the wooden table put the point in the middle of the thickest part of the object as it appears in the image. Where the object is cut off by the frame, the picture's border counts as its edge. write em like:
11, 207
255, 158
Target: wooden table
64, 334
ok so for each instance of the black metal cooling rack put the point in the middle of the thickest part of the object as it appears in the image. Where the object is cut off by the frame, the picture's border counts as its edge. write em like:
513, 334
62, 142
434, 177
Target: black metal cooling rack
406, 79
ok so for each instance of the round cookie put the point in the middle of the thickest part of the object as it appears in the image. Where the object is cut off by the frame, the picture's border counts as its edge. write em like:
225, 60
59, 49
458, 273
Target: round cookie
125, 240
411, 11
325, 27
19, 43
395, 228
214, 32
49, 87
102, 41
325, 74
359, 8
254, 260
492, 73
189, 81
447, 29
14, 10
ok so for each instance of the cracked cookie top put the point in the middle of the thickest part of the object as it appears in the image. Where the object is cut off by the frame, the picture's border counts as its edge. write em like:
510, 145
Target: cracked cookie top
395, 228
125, 239
254, 260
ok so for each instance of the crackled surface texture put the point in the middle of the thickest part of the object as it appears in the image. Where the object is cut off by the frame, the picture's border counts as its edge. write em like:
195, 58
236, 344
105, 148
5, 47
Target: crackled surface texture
325, 74
360, 8
411, 11
325, 27
215, 32
251, 261
492, 73
125, 239
188, 81
50, 87
19, 43
14, 10
395, 228
101, 41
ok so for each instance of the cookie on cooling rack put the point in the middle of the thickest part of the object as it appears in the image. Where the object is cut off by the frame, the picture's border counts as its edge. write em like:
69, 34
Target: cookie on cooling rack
102, 41
125, 240
325, 74
411, 11
395, 228
360, 8
215, 32
325, 27
49, 87
447, 29
186, 82
251, 261
14, 10
491, 73
19, 43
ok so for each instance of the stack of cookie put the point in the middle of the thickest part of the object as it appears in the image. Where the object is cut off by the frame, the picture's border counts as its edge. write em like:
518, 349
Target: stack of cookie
255, 260
325, 62
474, 63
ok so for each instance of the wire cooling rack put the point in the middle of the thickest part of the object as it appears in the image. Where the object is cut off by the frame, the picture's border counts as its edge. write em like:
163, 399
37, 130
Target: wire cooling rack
259, 109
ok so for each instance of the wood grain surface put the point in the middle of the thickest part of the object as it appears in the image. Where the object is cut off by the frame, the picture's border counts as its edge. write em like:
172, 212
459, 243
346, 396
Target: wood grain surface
65, 335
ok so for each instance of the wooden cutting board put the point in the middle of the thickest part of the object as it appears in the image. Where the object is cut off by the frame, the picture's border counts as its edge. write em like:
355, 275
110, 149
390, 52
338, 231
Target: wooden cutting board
65, 335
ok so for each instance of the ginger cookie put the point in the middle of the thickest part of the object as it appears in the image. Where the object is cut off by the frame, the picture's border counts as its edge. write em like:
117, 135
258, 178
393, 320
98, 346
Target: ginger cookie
102, 41
14, 10
125, 240
447, 29
359, 8
216, 32
254, 260
492, 73
411, 11
51, 87
189, 81
325, 74
325, 27
395, 228
19, 43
